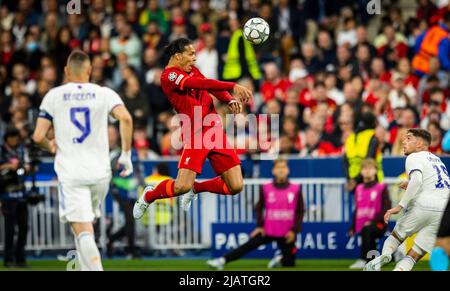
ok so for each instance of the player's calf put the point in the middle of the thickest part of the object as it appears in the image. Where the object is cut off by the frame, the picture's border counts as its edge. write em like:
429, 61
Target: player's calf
89, 252
181, 188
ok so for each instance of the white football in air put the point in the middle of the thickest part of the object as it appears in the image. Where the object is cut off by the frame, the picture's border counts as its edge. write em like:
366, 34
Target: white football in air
256, 30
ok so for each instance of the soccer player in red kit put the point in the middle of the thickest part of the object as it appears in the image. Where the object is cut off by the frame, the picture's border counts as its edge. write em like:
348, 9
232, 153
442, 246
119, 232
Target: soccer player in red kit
189, 93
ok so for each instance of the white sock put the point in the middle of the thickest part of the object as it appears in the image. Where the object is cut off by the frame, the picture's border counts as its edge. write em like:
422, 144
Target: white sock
390, 245
82, 266
89, 253
405, 264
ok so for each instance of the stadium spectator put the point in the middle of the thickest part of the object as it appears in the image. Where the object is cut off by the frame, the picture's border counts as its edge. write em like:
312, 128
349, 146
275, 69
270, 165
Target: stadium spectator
124, 191
274, 86
241, 59
360, 145
327, 49
127, 42
125, 39
153, 12
309, 57
208, 58
203, 15
436, 137
276, 197
135, 101
434, 42
13, 198
371, 203
436, 109
347, 36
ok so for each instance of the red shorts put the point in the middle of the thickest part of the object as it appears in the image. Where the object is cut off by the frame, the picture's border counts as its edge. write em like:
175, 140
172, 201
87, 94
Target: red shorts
221, 159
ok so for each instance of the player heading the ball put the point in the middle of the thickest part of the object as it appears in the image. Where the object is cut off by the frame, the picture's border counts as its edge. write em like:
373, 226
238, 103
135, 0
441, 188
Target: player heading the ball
188, 91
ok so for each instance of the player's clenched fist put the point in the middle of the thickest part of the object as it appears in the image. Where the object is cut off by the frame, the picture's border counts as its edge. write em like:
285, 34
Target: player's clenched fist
243, 93
235, 106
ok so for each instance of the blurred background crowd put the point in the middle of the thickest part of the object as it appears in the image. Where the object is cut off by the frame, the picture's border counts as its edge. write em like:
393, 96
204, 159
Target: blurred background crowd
325, 64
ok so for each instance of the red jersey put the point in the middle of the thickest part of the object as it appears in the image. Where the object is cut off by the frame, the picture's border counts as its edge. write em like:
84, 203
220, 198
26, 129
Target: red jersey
269, 90
189, 94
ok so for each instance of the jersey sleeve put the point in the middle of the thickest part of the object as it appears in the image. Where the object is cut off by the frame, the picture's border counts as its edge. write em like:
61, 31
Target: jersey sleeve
46, 110
176, 79
413, 163
173, 79
112, 98
223, 96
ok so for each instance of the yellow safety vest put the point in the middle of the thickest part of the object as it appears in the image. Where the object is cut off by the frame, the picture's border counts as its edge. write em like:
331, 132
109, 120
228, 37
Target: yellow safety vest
356, 148
232, 68
163, 207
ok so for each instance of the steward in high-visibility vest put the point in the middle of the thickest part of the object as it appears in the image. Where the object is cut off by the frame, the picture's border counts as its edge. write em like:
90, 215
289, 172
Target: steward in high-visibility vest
362, 145
241, 59
435, 42
163, 207
357, 149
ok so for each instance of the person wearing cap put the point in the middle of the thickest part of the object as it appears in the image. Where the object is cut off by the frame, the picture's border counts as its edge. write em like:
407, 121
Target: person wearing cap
13, 200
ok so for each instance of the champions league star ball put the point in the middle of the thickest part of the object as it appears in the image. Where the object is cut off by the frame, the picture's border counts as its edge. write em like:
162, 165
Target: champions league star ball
256, 30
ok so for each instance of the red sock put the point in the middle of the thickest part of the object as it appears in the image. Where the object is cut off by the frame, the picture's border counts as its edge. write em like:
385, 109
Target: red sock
215, 185
165, 189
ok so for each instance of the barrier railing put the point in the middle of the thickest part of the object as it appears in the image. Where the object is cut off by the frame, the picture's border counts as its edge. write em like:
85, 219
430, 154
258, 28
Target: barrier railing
167, 226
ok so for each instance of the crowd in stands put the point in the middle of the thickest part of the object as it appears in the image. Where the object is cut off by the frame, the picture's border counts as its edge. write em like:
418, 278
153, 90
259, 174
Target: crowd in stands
324, 64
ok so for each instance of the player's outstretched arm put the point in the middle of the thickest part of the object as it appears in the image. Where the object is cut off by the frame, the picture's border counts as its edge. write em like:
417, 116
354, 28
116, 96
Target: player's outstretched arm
214, 85
43, 125
126, 130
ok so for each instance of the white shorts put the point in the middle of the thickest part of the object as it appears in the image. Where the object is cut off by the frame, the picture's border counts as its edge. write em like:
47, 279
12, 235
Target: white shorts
421, 221
81, 203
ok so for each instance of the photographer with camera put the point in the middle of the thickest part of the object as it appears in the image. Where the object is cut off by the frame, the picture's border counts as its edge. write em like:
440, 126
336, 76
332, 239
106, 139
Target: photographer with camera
13, 198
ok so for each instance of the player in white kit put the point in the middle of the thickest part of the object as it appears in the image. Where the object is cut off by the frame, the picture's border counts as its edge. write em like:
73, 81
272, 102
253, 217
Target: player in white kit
424, 202
78, 112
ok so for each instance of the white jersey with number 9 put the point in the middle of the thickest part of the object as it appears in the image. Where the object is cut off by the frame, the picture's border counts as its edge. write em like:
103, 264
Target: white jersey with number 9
79, 113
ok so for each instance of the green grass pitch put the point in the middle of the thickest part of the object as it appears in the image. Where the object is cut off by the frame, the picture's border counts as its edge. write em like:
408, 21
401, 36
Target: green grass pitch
200, 265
